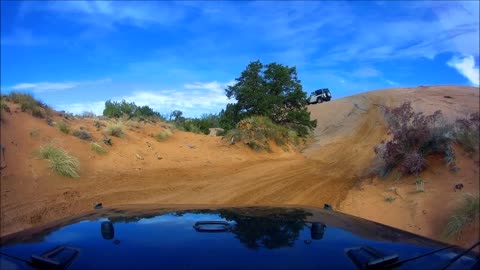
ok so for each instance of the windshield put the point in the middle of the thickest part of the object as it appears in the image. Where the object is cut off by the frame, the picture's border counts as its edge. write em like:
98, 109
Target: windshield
201, 103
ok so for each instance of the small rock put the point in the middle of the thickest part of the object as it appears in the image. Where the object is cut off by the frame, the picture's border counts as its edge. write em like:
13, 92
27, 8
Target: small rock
139, 157
107, 141
98, 206
159, 157
458, 186
191, 146
327, 207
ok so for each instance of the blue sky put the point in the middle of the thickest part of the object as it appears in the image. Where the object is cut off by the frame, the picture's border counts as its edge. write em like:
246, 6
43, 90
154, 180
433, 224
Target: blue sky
74, 55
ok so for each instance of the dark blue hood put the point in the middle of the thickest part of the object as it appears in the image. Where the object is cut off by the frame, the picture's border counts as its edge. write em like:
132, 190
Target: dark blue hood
152, 237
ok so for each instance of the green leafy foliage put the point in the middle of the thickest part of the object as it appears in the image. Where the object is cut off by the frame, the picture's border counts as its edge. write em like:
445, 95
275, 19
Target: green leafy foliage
116, 109
200, 125
272, 90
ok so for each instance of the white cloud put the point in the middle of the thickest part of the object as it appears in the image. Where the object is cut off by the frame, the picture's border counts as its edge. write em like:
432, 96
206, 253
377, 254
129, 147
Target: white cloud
41, 87
193, 99
466, 66
366, 72
390, 82
106, 14
78, 108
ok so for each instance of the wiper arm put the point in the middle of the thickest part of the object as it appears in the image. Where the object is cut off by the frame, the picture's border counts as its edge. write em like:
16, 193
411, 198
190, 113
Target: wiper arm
454, 259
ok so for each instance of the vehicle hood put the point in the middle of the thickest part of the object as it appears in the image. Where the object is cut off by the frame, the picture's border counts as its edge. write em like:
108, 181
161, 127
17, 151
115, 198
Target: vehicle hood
153, 237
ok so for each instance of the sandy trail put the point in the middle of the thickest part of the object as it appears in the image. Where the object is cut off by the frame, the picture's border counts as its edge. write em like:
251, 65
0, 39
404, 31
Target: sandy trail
196, 169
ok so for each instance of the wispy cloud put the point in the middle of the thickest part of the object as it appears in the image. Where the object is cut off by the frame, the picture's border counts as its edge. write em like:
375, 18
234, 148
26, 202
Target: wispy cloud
390, 82
108, 14
466, 66
22, 37
366, 72
41, 87
193, 99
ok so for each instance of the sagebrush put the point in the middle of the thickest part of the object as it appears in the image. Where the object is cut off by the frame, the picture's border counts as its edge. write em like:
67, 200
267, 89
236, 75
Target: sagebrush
60, 161
467, 132
414, 136
82, 134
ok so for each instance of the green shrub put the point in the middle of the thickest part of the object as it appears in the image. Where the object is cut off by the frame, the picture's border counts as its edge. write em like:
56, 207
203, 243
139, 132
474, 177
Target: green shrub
466, 213
98, 149
63, 127
60, 161
130, 109
257, 131
37, 112
115, 129
165, 134
82, 134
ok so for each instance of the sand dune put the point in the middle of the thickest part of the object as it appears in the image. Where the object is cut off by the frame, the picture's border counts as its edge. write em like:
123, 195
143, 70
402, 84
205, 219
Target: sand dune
199, 169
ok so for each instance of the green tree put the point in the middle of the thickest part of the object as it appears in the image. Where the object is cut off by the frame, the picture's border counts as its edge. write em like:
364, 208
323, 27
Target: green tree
272, 90
176, 116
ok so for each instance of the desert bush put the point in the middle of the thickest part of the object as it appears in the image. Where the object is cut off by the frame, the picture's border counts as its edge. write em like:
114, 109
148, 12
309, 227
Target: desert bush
37, 112
59, 160
413, 137
3, 106
257, 131
132, 123
63, 127
98, 124
82, 134
115, 129
22, 99
87, 114
165, 134
35, 133
98, 149
28, 103
467, 132
390, 199
464, 214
